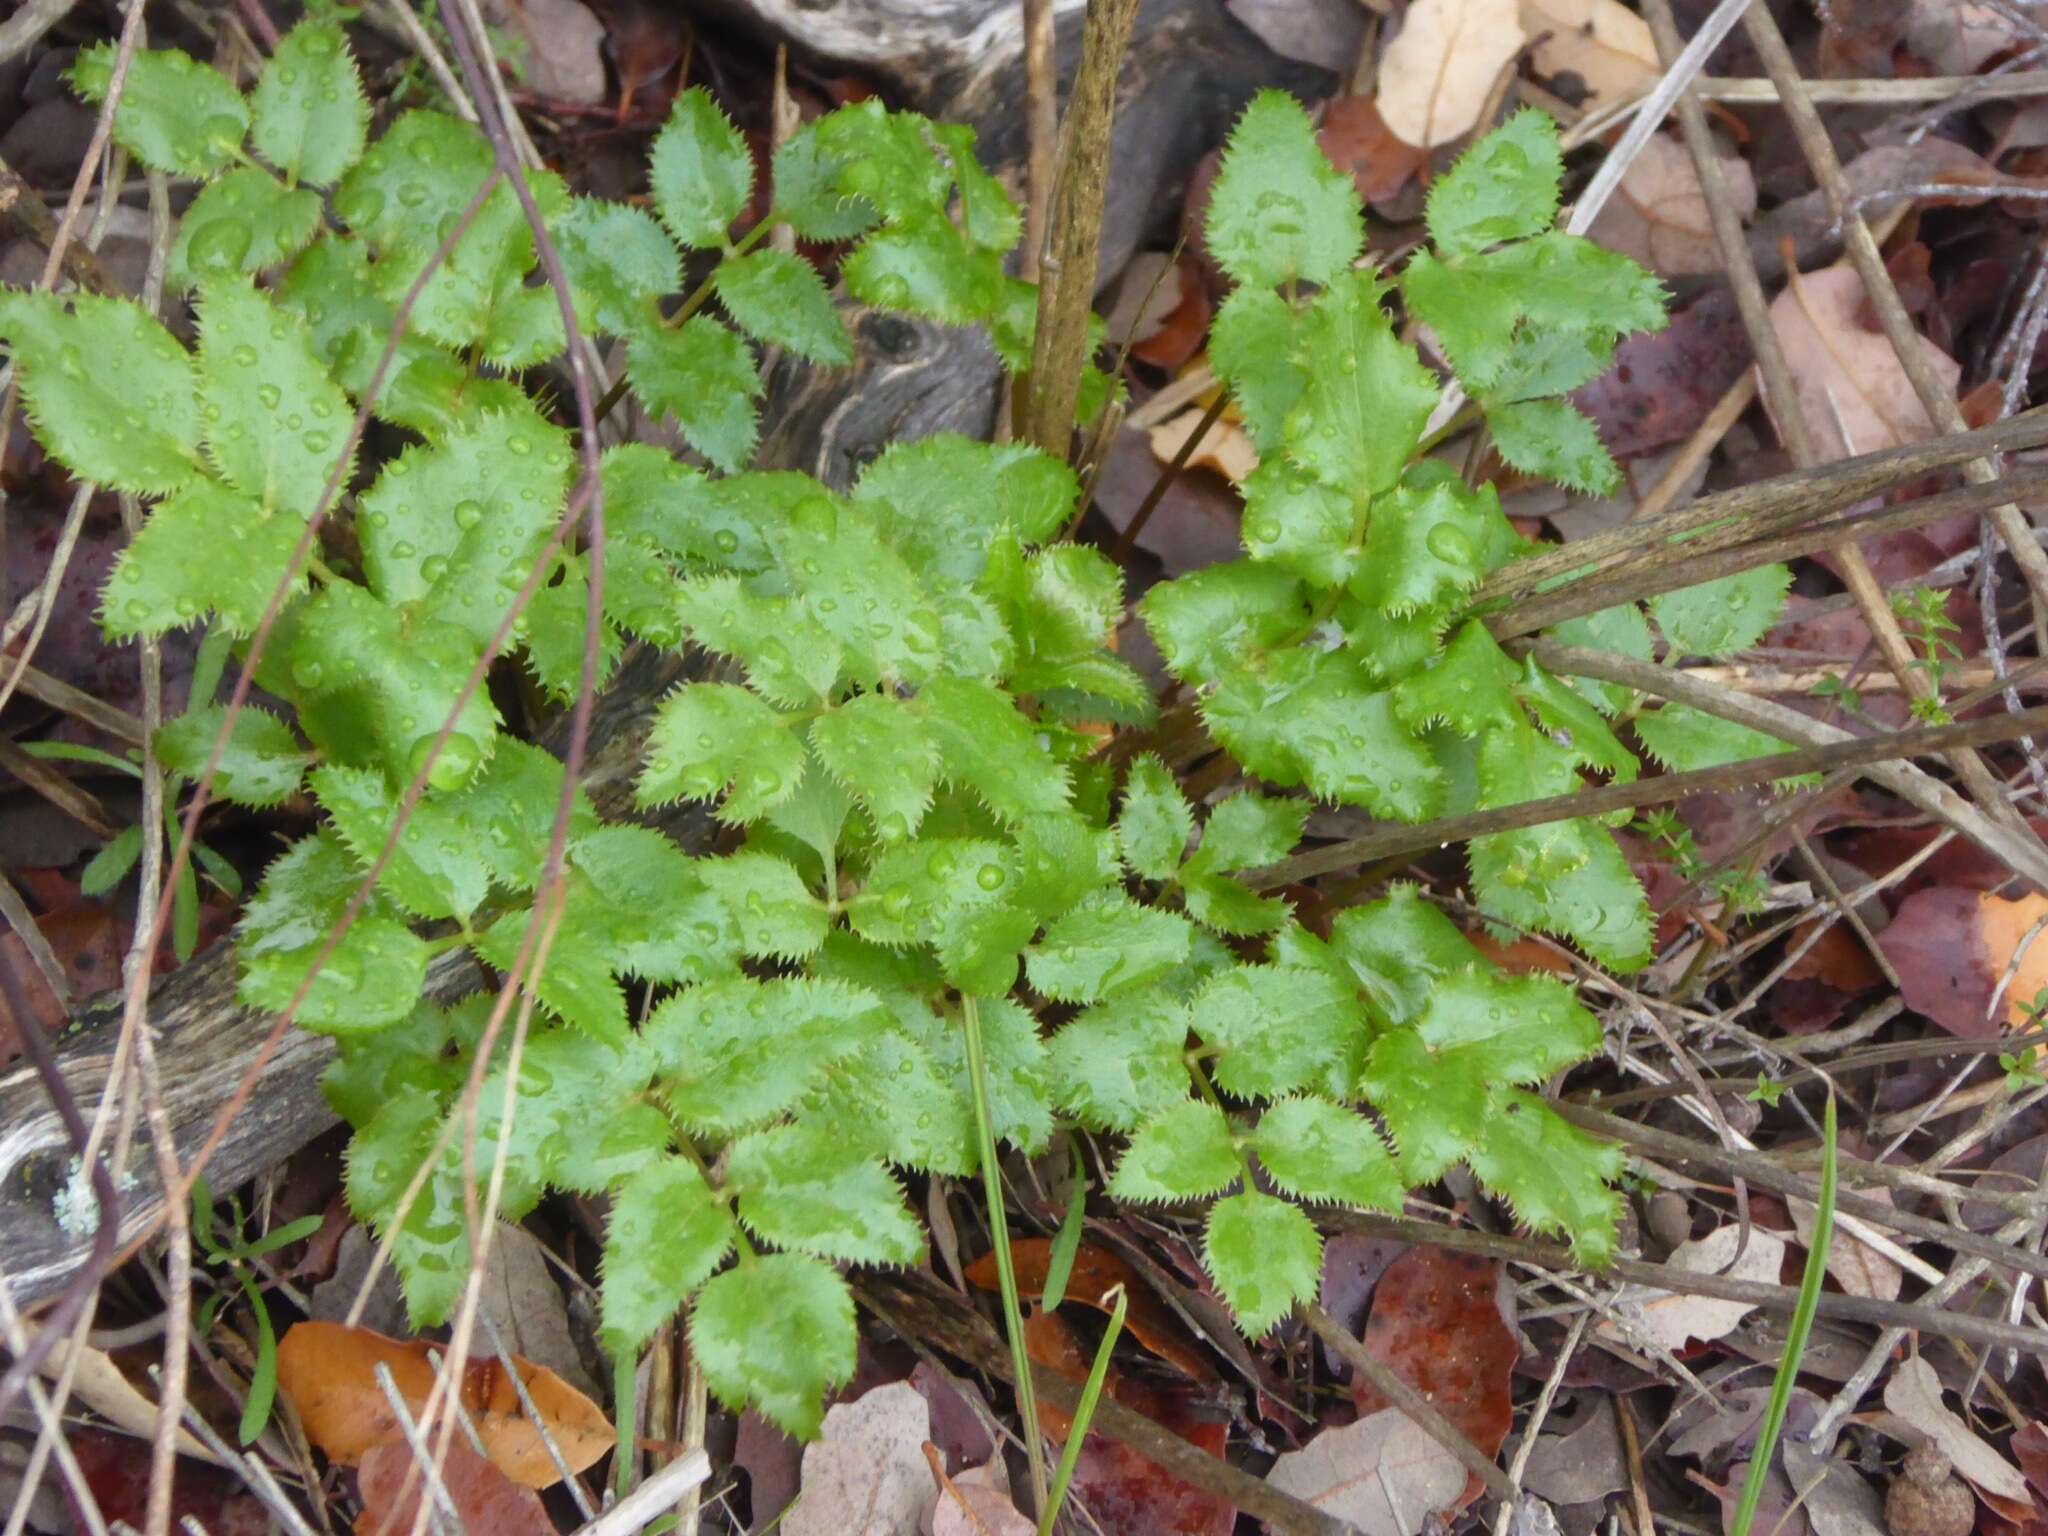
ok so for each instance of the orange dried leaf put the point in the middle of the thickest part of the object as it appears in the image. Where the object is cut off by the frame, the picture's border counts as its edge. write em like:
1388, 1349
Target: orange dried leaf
329, 1374
1148, 1319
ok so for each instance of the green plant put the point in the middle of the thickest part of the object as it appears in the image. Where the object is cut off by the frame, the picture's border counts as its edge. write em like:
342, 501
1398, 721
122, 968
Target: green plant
1923, 613
947, 918
237, 1255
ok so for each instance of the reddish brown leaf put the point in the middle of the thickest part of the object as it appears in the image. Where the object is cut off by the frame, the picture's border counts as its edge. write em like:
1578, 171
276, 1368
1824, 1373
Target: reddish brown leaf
1127, 1494
116, 1469
1178, 336
1837, 958
1436, 1324
1358, 141
1951, 947
1662, 385
1148, 1319
485, 1498
329, 1374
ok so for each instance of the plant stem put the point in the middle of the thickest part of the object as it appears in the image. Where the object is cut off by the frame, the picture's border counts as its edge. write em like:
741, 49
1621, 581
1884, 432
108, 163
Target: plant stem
999, 1234
1091, 1394
1796, 1335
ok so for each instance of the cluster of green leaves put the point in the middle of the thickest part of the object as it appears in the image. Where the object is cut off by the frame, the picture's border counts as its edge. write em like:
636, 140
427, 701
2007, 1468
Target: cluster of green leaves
905, 742
1343, 653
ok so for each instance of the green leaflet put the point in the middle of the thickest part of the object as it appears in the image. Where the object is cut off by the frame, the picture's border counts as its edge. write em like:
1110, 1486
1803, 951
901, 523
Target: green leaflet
798, 1189
884, 754
775, 1334
1430, 541
175, 115
1155, 824
309, 115
1718, 618
1556, 440
431, 1246
1316, 1150
619, 262
1183, 1152
1278, 209
1209, 623
989, 749
713, 737
1264, 1255
665, 1237
1122, 1062
1684, 740
733, 1054
275, 423
244, 222
941, 500
703, 375
172, 574
1280, 1029
1357, 422
778, 298
1105, 946
807, 196
776, 915
131, 428
700, 170
1504, 188
1252, 348
893, 1102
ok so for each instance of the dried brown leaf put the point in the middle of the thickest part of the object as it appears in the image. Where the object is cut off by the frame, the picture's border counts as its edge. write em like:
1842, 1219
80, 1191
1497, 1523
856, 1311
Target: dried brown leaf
1436, 76
1850, 384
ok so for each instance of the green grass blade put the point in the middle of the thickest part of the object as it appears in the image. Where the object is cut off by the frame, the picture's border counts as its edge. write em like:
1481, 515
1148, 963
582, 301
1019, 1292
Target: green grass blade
999, 1234
1796, 1336
1060, 1263
1084, 1414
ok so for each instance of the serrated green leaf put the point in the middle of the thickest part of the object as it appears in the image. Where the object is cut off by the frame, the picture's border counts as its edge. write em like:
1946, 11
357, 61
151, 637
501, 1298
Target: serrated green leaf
880, 749
1280, 1029
704, 376
1718, 618
884, 158
807, 195
1301, 524
1555, 1176
1621, 629
735, 1054
1316, 1150
700, 171
713, 737
1564, 711
437, 868
1182, 1153
172, 574
618, 260
1361, 411
777, 916
1388, 647
1517, 763
1556, 440
452, 527
893, 1102
556, 623
1313, 718
652, 913
1685, 739
858, 590
1399, 948
309, 113
1431, 540
925, 266
947, 497
1598, 903
431, 1246
131, 428
1020, 1097
1249, 830
1505, 187
1513, 1029
374, 684
1252, 349
1107, 945
1224, 904
1208, 623
987, 213
1155, 823
664, 1238
775, 1335
176, 115
777, 297
987, 747
1469, 687
1278, 210
1122, 1062
799, 1189
1264, 1255
1435, 1106
242, 223
575, 981
275, 422
302, 892
790, 658
260, 763
509, 807
369, 1071
370, 981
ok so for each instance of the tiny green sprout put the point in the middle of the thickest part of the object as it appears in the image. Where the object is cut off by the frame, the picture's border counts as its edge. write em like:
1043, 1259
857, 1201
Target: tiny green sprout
1836, 688
2022, 1070
1767, 1092
1923, 612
